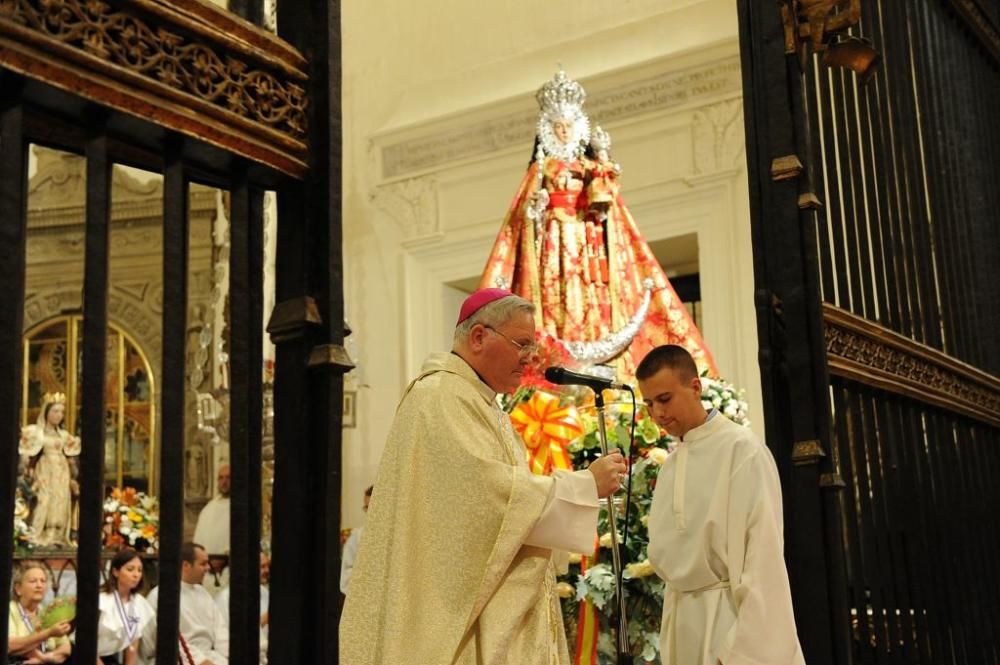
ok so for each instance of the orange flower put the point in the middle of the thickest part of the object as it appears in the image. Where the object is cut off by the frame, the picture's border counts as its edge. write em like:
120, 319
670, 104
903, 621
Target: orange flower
129, 497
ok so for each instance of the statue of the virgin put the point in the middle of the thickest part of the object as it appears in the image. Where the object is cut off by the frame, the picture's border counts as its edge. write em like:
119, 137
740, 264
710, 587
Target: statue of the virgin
45, 449
570, 245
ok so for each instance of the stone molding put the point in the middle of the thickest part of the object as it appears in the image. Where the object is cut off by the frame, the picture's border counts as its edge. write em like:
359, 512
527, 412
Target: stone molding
440, 144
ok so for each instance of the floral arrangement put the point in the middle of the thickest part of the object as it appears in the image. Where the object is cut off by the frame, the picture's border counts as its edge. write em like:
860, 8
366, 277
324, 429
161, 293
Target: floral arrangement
724, 397
132, 519
591, 578
23, 536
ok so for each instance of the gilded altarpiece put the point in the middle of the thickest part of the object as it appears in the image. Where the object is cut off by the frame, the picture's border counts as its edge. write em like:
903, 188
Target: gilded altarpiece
53, 317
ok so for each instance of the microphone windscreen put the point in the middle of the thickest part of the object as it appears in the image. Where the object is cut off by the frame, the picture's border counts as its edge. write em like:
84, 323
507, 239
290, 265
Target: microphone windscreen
554, 374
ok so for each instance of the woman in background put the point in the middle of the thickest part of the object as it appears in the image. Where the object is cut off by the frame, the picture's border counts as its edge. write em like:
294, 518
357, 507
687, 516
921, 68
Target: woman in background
124, 613
26, 643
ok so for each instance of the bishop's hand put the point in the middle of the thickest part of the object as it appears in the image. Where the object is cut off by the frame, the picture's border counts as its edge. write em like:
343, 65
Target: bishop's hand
608, 472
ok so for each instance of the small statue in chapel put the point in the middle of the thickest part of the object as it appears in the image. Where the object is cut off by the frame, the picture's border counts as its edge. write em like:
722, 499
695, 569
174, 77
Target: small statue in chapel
602, 182
45, 449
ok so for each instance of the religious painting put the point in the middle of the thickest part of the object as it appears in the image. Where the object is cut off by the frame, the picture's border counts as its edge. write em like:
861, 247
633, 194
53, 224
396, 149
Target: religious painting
349, 415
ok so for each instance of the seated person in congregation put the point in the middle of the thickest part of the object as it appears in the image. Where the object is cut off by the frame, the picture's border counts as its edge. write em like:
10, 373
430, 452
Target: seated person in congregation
124, 613
204, 632
25, 643
222, 602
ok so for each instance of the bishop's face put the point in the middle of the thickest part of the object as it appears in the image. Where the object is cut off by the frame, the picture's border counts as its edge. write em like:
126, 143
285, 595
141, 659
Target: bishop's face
563, 129
506, 351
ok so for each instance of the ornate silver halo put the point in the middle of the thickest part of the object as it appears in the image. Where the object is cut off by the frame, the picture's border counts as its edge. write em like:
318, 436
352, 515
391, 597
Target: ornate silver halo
605, 350
562, 98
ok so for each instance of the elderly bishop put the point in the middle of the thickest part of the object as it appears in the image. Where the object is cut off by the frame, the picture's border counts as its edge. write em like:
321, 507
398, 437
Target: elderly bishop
455, 565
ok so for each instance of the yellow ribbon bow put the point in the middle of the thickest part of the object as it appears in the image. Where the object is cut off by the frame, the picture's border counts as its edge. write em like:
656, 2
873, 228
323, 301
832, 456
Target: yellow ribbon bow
546, 428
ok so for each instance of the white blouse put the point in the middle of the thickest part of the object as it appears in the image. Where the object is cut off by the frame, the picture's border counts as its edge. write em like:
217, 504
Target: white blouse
112, 633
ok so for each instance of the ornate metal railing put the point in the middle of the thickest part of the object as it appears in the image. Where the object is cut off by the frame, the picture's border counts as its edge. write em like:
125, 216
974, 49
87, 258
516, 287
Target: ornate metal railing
873, 197
189, 66
202, 96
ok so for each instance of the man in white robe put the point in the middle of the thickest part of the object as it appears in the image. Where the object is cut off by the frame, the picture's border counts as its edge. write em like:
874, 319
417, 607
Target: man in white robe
715, 530
222, 602
455, 566
212, 532
350, 553
201, 624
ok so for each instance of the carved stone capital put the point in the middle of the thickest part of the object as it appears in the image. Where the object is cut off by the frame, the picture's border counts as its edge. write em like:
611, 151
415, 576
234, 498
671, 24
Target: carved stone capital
717, 132
411, 204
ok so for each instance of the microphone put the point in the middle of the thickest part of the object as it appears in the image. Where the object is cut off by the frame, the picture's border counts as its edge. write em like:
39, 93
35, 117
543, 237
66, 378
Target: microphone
564, 377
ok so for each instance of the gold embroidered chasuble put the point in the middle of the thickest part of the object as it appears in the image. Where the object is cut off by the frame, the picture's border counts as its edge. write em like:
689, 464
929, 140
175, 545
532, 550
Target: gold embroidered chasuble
444, 574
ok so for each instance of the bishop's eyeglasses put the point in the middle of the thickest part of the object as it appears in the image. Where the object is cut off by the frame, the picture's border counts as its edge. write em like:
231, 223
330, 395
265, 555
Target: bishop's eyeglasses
524, 350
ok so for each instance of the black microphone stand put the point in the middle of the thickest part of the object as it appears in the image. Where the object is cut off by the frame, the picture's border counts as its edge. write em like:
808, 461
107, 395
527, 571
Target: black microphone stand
624, 657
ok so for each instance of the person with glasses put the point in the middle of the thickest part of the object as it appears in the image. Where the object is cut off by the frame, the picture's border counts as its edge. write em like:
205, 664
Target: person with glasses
455, 565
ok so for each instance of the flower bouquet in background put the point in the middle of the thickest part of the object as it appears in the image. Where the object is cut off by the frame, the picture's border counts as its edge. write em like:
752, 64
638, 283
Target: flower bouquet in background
131, 519
23, 535
724, 397
62, 608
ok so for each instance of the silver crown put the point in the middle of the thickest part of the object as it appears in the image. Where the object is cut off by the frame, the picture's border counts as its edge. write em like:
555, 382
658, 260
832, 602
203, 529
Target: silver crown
560, 95
600, 139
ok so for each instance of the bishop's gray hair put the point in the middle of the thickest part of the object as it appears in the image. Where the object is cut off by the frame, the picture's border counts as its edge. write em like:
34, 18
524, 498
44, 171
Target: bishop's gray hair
493, 315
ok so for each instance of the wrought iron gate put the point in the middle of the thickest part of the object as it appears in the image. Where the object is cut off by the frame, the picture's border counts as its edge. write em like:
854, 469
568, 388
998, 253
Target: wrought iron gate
877, 249
200, 95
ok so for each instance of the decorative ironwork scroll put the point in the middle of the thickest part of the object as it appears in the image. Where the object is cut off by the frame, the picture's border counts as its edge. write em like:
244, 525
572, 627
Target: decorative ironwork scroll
864, 351
189, 66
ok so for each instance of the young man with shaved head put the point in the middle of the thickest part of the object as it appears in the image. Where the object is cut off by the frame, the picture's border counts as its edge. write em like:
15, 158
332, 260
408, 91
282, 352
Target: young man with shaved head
715, 530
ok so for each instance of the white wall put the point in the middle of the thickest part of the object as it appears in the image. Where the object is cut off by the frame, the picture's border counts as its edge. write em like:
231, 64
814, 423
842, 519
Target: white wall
438, 115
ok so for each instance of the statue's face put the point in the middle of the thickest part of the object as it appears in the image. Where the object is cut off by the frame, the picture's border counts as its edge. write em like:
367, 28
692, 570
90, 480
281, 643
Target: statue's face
56, 413
563, 129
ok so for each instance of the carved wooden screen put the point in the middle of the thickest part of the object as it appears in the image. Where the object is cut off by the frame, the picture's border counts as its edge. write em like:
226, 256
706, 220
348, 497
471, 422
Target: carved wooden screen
196, 93
877, 251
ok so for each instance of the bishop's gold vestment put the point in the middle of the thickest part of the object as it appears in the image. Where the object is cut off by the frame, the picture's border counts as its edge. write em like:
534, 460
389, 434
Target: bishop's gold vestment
455, 564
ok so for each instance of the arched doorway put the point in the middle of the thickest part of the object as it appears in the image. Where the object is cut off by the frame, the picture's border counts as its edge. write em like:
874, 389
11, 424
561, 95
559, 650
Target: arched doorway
52, 351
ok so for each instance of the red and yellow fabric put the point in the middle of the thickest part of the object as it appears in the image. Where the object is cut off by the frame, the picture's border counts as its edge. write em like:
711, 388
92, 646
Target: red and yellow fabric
548, 262
547, 429
588, 624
